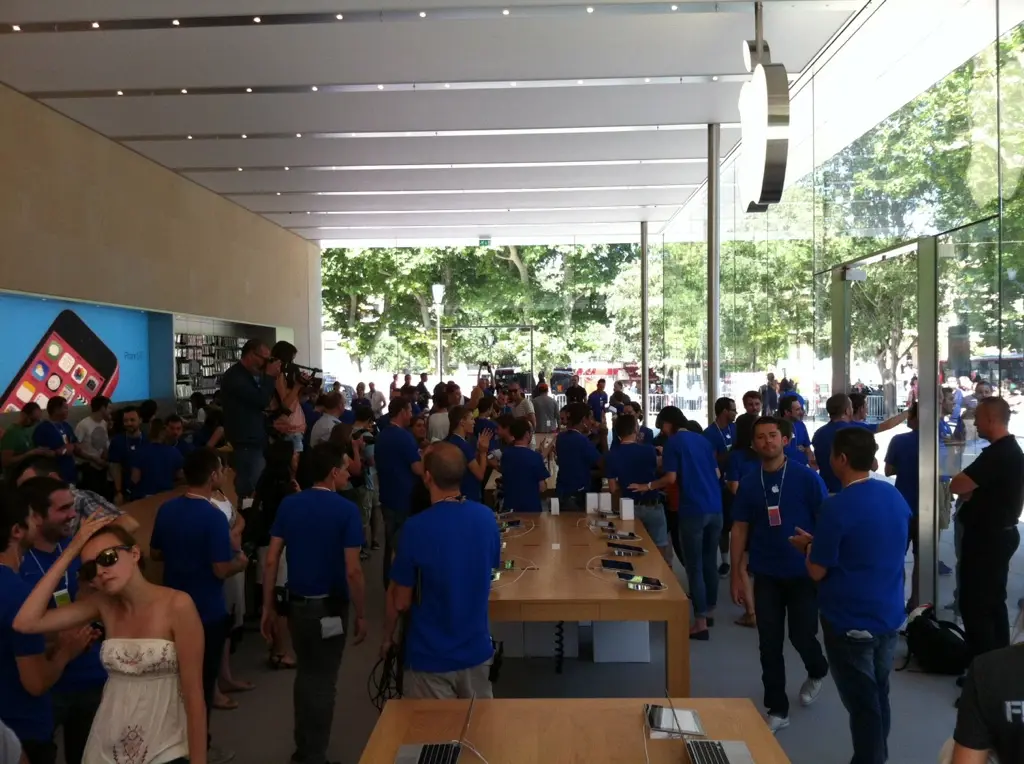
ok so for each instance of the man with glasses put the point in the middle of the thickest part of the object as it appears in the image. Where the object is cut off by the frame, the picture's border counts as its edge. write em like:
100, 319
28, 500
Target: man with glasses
247, 389
522, 407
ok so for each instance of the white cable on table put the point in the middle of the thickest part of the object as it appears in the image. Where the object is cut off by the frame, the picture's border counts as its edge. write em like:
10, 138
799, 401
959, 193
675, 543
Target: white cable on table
471, 747
531, 566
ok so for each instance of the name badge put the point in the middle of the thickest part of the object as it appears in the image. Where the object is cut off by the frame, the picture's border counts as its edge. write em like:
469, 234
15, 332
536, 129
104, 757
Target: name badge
774, 516
331, 626
62, 598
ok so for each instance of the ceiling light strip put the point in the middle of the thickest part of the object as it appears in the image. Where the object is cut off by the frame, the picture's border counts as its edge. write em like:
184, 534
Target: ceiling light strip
466, 191
426, 133
376, 87
478, 211
180, 23
462, 166
474, 226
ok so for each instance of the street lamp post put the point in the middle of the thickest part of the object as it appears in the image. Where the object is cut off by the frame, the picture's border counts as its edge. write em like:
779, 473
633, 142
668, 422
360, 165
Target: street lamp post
438, 292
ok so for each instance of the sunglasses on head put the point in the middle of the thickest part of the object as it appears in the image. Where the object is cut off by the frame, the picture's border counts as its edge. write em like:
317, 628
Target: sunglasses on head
106, 559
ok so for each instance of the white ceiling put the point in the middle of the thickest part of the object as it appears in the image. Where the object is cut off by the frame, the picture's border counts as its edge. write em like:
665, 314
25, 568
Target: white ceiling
581, 146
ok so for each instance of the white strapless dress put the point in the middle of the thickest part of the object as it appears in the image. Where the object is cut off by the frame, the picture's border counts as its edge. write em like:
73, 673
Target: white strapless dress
141, 719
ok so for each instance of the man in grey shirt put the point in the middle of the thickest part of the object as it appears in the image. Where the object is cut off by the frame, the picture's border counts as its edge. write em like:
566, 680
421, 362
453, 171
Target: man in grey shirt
334, 404
522, 407
546, 409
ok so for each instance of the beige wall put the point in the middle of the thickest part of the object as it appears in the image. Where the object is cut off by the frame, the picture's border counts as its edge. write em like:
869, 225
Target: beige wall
85, 218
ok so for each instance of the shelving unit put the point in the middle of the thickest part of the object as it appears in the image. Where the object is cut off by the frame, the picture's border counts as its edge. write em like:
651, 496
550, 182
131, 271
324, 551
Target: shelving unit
200, 360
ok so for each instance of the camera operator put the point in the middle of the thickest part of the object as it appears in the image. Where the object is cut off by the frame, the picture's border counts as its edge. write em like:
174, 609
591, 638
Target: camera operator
247, 388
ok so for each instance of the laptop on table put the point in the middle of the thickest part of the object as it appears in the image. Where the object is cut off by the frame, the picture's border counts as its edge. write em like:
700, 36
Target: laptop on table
436, 753
704, 751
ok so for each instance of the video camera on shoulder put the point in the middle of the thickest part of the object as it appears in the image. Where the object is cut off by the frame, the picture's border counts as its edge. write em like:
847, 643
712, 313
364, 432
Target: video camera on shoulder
295, 373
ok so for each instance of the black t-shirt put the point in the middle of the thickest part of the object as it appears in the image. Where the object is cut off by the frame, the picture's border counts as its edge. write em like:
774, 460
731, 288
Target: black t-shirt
997, 501
991, 711
576, 394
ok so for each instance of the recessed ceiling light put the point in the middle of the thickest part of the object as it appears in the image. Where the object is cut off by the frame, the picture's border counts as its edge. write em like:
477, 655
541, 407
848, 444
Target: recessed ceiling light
307, 212
120, 92
16, 28
298, 135
380, 87
590, 9
244, 136
256, 19
423, 14
189, 137
512, 84
647, 79
248, 90
714, 78
176, 23
675, 7
239, 169
287, 168
278, 193
504, 12
340, 16
447, 85
579, 82
184, 91
313, 88
95, 25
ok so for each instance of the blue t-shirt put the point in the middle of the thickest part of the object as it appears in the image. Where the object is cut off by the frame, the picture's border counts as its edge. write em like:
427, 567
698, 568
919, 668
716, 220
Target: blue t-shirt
86, 671
184, 447
598, 402
872, 428
645, 435
902, 455
127, 451
159, 464
822, 443
395, 454
862, 539
741, 463
348, 416
470, 483
447, 552
721, 438
522, 469
487, 424
55, 435
192, 533
691, 457
317, 526
798, 492
633, 463
576, 456
29, 717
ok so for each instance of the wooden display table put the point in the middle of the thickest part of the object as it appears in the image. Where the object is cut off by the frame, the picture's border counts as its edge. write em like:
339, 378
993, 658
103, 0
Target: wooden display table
594, 731
563, 588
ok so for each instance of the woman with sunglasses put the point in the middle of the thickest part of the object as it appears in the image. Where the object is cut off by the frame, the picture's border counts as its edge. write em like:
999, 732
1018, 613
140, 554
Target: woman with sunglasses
152, 705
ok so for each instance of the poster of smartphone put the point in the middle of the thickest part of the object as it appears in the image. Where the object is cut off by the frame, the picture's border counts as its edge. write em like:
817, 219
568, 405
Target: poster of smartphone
73, 350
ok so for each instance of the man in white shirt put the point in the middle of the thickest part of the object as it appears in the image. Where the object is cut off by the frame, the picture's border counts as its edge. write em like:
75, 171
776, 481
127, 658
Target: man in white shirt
522, 407
94, 438
334, 404
377, 401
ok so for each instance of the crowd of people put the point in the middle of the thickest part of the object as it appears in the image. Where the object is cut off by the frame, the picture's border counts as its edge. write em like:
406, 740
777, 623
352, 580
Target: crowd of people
804, 535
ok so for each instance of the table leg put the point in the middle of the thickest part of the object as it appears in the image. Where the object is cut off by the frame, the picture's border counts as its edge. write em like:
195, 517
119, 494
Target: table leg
677, 651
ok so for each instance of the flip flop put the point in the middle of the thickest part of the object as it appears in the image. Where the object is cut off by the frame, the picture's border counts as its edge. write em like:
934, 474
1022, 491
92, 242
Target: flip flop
240, 687
279, 663
747, 620
230, 704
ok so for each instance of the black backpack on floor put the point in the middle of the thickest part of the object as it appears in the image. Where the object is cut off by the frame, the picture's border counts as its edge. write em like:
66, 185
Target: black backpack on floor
940, 647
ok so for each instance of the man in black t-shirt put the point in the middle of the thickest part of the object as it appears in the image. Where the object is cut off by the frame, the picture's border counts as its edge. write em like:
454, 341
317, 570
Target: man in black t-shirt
575, 392
993, 489
991, 713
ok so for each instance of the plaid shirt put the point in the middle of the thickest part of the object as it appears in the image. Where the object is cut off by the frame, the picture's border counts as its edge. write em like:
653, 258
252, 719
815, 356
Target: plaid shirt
88, 503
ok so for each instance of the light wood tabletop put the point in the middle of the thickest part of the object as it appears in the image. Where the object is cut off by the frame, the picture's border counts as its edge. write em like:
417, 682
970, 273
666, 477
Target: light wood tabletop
558, 577
534, 731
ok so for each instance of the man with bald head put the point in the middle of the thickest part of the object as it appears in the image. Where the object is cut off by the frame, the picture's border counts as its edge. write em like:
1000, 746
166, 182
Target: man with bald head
441, 576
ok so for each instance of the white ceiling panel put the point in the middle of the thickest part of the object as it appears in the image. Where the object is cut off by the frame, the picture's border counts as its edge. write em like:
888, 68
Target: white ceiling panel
480, 220
611, 230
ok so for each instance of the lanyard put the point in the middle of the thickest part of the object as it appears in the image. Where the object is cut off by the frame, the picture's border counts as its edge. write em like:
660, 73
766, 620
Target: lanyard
725, 438
42, 571
778, 503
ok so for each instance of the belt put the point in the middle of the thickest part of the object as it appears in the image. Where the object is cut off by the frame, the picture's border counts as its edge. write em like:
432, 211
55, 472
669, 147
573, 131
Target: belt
298, 598
647, 504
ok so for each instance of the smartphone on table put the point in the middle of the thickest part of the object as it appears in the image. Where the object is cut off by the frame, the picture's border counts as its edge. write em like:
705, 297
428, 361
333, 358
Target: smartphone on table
70, 361
616, 565
631, 579
626, 548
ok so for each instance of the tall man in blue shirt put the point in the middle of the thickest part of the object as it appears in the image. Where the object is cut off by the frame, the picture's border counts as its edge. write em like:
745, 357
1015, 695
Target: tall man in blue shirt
460, 430
857, 555
124, 454
398, 467
635, 462
577, 457
191, 536
321, 533
901, 461
58, 435
524, 471
770, 505
689, 459
441, 577
721, 433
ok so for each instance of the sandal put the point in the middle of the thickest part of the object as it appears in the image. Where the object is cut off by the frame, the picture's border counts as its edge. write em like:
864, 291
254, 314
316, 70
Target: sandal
279, 662
228, 704
239, 686
749, 620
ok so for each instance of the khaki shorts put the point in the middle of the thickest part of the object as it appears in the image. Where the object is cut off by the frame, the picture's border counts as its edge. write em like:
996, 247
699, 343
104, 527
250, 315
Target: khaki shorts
448, 685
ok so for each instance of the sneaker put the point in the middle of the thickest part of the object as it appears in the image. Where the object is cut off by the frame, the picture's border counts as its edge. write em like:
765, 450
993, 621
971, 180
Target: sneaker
944, 569
809, 691
723, 570
776, 723
217, 755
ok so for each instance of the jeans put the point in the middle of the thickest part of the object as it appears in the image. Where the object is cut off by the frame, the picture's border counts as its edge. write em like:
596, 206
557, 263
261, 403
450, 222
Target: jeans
774, 598
39, 751
248, 462
317, 662
861, 668
393, 522
698, 535
74, 711
984, 566
215, 634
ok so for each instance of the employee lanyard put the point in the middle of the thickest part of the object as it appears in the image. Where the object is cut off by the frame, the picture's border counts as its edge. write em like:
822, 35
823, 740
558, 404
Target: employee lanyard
202, 498
42, 571
725, 437
861, 480
778, 501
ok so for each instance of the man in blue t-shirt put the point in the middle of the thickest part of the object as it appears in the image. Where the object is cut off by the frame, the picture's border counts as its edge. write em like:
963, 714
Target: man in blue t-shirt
771, 503
634, 462
799, 447
124, 453
859, 403
598, 403
721, 433
192, 538
58, 435
460, 425
159, 465
441, 577
523, 471
577, 457
398, 468
840, 410
174, 429
77, 694
857, 554
27, 669
901, 460
321, 533
689, 460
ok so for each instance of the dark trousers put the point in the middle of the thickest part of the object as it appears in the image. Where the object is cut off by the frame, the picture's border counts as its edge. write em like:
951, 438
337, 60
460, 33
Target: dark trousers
573, 502
984, 567
74, 712
860, 669
39, 751
215, 634
317, 662
774, 599
393, 522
